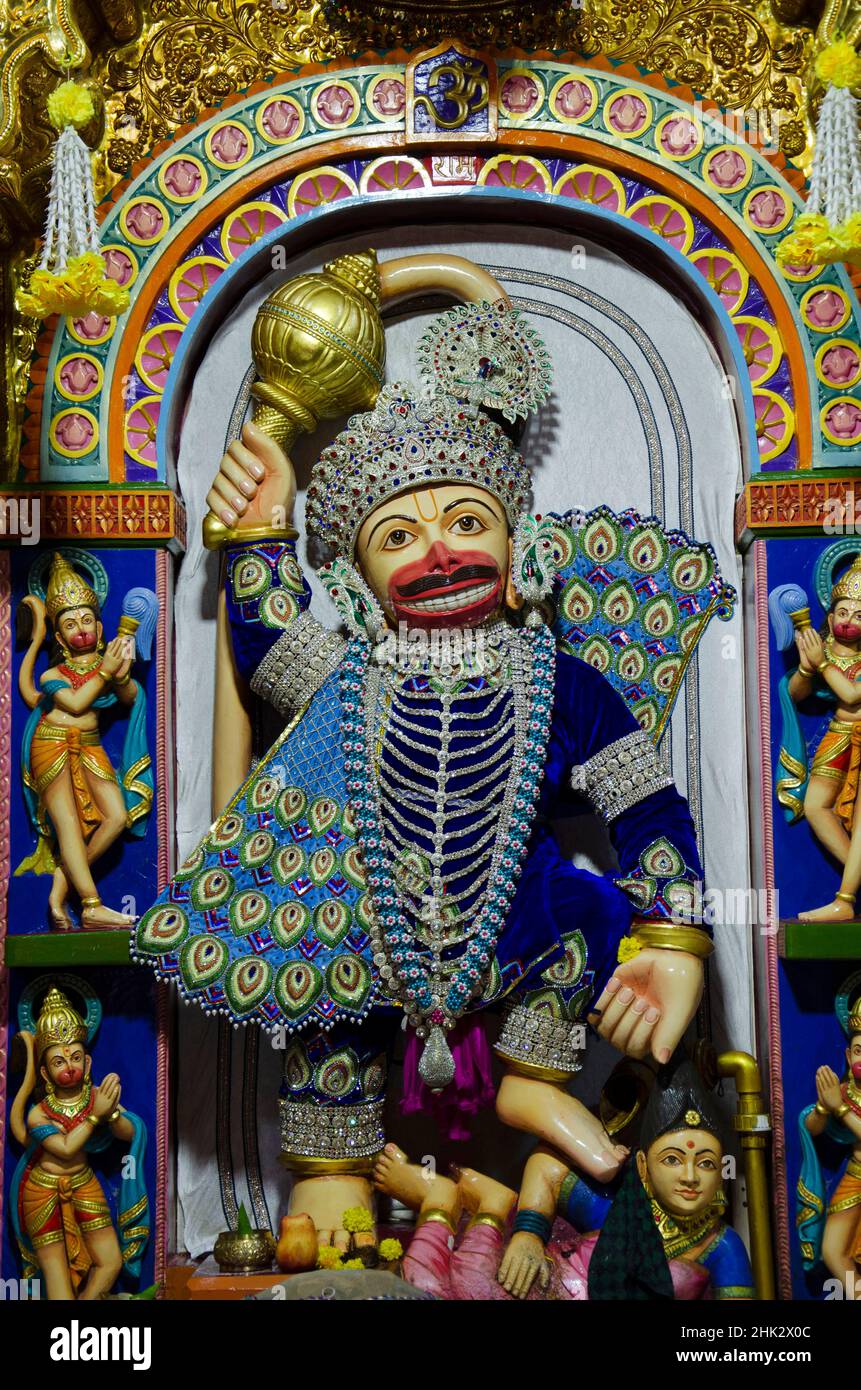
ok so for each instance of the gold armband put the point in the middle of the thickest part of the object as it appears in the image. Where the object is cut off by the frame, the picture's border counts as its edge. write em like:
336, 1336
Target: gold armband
216, 536
691, 939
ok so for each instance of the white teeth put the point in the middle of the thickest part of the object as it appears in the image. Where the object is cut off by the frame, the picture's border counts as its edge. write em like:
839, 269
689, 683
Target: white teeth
448, 603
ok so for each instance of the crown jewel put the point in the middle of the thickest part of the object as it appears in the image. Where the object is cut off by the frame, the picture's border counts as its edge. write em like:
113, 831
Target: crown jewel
855, 1017
66, 589
849, 586
473, 356
58, 1023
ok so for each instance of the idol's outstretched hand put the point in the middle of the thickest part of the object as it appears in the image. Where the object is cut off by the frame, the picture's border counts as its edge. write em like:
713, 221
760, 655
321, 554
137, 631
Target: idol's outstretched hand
649, 1001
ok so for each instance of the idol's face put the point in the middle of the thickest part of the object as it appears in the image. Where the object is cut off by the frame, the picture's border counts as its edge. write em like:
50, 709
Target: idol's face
79, 630
845, 621
683, 1170
853, 1056
438, 557
65, 1067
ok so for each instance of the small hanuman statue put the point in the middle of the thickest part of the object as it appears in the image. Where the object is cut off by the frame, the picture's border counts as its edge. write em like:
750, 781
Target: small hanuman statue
60, 1214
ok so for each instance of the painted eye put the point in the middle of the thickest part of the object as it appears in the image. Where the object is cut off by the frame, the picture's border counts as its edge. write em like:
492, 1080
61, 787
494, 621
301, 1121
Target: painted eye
467, 525
396, 539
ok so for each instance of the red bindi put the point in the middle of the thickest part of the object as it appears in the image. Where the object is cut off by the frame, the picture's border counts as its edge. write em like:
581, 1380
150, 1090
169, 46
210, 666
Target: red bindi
690, 1143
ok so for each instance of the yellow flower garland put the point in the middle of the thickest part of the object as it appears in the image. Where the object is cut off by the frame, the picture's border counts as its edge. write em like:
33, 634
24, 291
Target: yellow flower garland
839, 65
813, 241
82, 288
70, 104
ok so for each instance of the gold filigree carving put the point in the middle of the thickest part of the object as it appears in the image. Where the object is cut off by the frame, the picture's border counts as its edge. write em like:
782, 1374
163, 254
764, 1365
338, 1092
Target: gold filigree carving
741, 56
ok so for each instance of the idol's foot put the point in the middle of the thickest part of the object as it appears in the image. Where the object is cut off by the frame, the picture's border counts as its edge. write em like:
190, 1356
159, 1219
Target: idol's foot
836, 911
482, 1195
524, 1261
409, 1182
95, 916
326, 1199
61, 918
562, 1121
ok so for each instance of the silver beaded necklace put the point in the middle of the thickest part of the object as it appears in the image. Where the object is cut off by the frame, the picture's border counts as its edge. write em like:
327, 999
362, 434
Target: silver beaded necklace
445, 748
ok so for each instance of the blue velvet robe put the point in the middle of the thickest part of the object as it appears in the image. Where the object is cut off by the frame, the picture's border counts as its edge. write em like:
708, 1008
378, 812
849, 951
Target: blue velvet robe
268, 921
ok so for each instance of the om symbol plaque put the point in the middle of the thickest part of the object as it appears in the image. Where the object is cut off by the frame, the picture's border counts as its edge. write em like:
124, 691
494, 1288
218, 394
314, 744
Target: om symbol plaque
452, 95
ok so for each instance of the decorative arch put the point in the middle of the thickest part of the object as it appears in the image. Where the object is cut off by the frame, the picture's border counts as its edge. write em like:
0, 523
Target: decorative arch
593, 140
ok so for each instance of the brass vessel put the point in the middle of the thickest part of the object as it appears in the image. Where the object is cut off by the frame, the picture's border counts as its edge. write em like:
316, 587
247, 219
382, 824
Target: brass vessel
253, 1253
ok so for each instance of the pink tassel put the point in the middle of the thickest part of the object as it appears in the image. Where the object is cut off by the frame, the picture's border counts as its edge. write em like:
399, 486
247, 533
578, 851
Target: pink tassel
470, 1091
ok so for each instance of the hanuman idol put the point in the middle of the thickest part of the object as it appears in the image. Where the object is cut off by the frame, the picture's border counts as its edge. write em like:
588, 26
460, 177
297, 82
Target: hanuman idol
390, 860
78, 804
60, 1213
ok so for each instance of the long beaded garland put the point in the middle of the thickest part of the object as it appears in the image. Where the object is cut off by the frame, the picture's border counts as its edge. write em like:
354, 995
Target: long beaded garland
428, 1015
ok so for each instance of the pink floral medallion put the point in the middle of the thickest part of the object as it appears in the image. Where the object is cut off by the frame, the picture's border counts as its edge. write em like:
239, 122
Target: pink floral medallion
280, 120
75, 433
183, 179
79, 376
679, 137
145, 221
574, 100
389, 98
825, 309
229, 145
841, 365
727, 169
520, 94
767, 210
843, 422
118, 265
628, 114
336, 104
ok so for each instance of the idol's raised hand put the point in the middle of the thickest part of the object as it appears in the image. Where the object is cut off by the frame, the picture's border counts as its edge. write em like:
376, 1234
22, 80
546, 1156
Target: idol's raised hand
649, 1001
255, 484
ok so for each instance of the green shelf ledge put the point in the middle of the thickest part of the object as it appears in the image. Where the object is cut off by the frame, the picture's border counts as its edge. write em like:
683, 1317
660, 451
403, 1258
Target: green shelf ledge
68, 948
819, 940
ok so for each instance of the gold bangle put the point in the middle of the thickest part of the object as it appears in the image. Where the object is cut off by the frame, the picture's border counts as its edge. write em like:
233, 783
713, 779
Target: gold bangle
112, 1118
534, 1070
824, 664
846, 898
842, 1110
216, 535
691, 939
822, 1109
437, 1214
803, 671
124, 680
486, 1218
305, 1167
94, 1121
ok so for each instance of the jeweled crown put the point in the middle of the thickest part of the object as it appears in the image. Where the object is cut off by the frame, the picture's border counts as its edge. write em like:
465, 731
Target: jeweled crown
66, 589
855, 1018
58, 1024
474, 356
849, 587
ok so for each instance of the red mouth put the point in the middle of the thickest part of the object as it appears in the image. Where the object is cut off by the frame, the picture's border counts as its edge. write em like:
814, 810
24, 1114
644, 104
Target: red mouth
446, 590
82, 642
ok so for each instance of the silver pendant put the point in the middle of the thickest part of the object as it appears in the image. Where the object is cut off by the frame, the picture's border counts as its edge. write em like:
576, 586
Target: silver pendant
436, 1067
